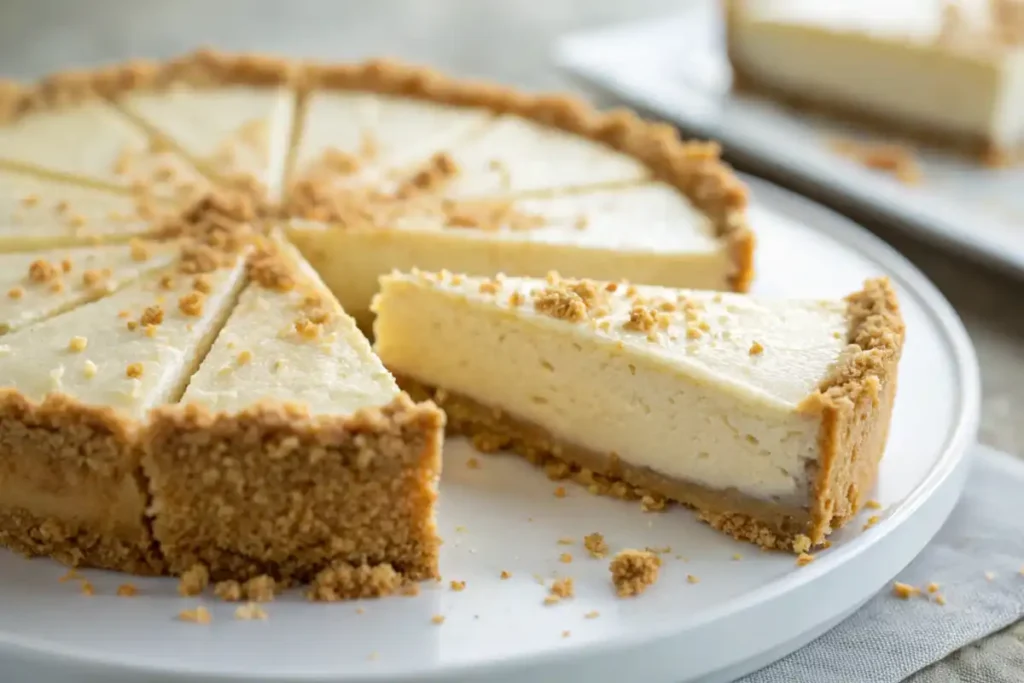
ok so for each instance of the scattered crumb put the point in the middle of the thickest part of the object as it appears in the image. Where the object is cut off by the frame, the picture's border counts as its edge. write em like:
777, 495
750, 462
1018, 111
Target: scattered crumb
77, 344
127, 590
737, 557
437, 619
563, 588
191, 304
552, 600
904, 591
70, 575
87, 588
134, 370
593, 614
565, 558
566, 634
756, 349
633, 571
360, 610
473, 464
932, 587
804, 559
990, 576
505, 575
565, 540
260, 588
801, 543
595, 545
194, 581
458, 586
250, 611
373, 656
560, 492
15, 293
199, 615
897, 160
873, 505
230, 591
653, 503
940, 599
690, 578
872, 520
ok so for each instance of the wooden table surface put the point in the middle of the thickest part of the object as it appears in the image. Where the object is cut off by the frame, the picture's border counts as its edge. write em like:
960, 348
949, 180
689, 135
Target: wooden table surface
507, 40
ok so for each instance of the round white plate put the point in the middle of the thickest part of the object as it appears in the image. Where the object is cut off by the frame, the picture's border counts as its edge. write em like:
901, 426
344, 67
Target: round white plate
748, 608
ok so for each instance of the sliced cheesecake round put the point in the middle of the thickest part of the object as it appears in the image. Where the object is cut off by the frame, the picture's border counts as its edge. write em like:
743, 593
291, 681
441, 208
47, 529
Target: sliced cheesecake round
767, 416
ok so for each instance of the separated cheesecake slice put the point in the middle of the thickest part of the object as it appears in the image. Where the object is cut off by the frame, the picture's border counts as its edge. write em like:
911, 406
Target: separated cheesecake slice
35, 285
947, 71
769, 417
72, 390
293, 451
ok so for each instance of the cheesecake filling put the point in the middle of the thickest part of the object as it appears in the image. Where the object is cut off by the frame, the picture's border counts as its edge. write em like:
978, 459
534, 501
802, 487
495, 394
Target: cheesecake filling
593, 394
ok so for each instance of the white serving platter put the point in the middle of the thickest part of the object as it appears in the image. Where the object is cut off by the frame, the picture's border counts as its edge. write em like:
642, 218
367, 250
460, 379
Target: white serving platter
675, 67
742, 614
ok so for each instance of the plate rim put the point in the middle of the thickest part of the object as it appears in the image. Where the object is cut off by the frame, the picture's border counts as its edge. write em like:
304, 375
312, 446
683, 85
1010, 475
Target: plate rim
955, 451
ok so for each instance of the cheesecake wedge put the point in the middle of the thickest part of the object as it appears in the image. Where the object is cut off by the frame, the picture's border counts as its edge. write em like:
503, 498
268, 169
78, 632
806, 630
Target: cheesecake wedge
769, 417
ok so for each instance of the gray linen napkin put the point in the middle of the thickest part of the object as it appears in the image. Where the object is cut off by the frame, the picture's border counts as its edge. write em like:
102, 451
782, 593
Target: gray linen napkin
977, 559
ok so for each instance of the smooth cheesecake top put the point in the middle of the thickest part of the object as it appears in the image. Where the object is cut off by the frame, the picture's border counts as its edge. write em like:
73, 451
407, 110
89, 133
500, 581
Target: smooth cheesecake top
769, 350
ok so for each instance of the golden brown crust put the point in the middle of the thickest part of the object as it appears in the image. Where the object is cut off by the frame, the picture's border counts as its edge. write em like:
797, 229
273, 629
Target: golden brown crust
745, 81
273, 490
855, 404
81, 462
768, 524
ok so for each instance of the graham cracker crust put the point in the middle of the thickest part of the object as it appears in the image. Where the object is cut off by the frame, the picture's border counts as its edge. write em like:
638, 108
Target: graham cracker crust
694, 168
273, 490
980, 147
854, 402
61, 448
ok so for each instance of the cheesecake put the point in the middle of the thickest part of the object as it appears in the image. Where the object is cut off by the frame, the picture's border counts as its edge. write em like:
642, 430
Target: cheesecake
942, 70
292, 450
767, 416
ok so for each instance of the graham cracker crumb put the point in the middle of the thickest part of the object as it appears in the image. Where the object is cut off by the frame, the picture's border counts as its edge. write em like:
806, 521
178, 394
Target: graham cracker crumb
633, 571
560, 492
437, 171
801, 543
269, 269
250, 611
898, 160
552, 600
127, 590
690, 578
565, 540
563, 588
343, 580
932, 587
93, 278
904, 591
229, 591
505, 575
89, 369
437, 619
200, 283
940, 599
872, 520
191, 304
736, 557
641, 319
77, 344
87, 589
566, 634
66, 265
244, 357
199, 615
565, 558
873, 505
595, 545
15, 293
134, 370
804, 559
592, 614
41, 271
653, 503
194, 581
458, 586
473, 464
139, 250
70, 575
756, 349
153, 315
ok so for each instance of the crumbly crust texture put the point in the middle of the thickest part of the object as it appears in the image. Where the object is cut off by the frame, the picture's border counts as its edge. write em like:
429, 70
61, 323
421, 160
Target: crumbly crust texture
273, 490
854, 404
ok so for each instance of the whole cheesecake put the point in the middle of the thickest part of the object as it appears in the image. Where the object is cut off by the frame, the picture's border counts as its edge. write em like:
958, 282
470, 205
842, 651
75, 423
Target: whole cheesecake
950, 71
188, 251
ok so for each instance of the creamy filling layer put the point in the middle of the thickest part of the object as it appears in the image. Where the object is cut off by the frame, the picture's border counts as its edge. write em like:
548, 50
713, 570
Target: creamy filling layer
598, 397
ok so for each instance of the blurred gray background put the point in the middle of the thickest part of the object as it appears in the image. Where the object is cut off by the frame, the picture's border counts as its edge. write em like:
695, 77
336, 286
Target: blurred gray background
507, 40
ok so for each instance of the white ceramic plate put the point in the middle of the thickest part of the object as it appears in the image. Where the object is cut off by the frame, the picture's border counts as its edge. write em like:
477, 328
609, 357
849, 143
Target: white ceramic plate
504, 516
675, 67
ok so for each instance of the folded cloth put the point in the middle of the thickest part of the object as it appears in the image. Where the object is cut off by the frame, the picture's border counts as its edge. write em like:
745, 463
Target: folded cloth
977, 564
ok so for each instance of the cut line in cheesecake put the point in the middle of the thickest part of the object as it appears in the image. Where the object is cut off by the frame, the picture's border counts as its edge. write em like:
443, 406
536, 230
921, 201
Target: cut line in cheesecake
953, 71
768, 417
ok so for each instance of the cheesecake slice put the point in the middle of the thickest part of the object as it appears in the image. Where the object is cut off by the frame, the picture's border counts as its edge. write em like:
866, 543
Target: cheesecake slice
769, 417
40, 213
947, 71
649, 232
73, 389
35, 285
293, 450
